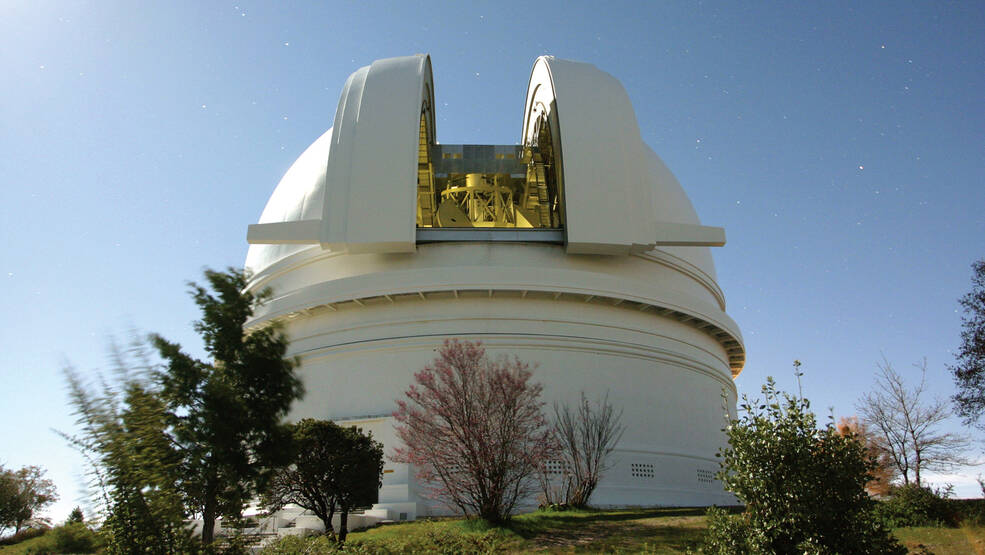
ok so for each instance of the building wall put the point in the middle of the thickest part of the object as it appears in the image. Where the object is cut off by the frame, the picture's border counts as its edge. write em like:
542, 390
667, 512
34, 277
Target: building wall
668, 377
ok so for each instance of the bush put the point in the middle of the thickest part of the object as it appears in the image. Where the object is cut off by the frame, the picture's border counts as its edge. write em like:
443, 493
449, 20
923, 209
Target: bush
432, 541
474, 431
75, 538
803, 486
289, 545
443, 541
71, 538
727, 533
913, 505
968, 512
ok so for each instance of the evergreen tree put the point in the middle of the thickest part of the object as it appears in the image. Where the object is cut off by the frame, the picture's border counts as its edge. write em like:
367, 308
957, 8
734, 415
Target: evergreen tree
124, 437
969, 372
75, 516
225, 415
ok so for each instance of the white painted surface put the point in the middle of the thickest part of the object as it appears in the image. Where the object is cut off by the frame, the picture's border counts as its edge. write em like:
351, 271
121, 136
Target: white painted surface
648, 326
372, 165
602, 156
667, 375
300, 195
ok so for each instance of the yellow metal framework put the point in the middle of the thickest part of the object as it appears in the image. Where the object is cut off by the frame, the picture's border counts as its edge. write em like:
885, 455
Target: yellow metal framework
425, 179
492, 200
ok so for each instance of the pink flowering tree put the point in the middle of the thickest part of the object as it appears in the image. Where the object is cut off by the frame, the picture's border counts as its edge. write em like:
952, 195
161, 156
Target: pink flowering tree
474, 430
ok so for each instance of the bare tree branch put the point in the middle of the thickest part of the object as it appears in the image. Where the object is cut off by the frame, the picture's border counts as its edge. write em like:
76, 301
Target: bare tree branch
586, 435
906, 425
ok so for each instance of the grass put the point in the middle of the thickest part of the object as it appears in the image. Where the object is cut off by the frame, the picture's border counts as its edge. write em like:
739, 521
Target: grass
661, 531
589, 531
964, 540
22, 547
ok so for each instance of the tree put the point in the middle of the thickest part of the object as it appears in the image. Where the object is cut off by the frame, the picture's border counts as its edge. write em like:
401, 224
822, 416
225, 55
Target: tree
907, 425
474, 430
23, 493
969, 372
76, 516
224, 416
133, 464
586, 435
885, 470
332, 467
803, 486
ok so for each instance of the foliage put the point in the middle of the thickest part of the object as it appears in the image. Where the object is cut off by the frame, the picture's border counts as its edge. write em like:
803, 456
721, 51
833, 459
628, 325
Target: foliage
224, 416
907, 425
311, 545
885, 470
585, 437
332, 467
665, 530
968, 512
913, 505
23, 493
969, 372
474, 430
803, 486
133, 465
75, 516
70, 538
728, 533
67, 538
432, 541
188, 438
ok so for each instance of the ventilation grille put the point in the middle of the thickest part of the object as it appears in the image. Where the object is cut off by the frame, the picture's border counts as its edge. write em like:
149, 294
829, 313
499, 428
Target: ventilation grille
706, 476
555, 468
641, 470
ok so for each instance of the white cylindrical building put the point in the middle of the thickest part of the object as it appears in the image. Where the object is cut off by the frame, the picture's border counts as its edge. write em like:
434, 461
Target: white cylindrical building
577, 251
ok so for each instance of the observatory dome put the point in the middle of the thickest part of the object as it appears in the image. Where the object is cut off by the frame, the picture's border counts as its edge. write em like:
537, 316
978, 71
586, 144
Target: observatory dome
576, 250
300, 193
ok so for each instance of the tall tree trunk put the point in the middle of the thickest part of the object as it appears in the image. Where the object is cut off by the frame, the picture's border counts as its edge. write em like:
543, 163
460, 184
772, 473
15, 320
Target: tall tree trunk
343, 522
208, 522
326, 514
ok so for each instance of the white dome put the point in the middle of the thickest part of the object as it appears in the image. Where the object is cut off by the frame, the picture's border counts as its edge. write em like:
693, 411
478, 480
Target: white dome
301, 192
671, 204
620, 297
298, 196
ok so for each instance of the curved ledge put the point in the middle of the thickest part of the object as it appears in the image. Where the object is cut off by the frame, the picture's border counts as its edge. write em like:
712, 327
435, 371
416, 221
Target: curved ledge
552, 341
298, 303
683, 266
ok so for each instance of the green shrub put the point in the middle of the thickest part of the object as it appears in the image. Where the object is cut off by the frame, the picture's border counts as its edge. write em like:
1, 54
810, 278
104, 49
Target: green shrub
289, 545
69, 538
803, 485
913, 505
432, 541
75, 538
969, 512
442, 541
727, 533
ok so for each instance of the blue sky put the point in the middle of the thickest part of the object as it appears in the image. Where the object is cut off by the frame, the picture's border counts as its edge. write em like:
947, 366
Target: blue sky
842, 147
